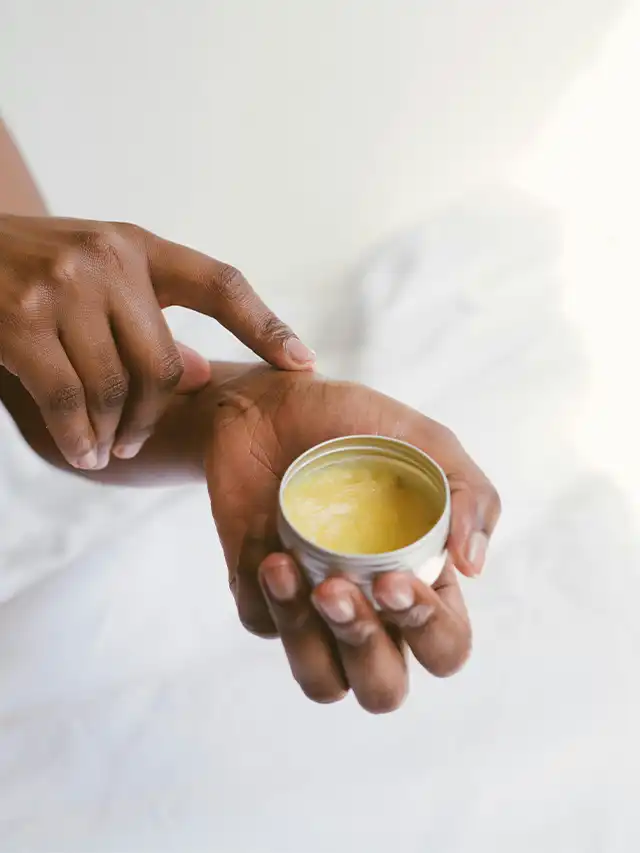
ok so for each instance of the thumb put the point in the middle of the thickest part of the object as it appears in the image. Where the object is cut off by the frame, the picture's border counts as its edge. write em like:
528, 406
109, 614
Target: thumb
197, 371
184, 277
475, 510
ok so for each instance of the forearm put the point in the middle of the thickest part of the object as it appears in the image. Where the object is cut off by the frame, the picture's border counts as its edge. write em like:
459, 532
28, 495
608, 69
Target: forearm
18, 192
173, 455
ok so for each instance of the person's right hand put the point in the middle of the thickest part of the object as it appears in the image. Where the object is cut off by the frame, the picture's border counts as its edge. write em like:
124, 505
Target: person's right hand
81, 326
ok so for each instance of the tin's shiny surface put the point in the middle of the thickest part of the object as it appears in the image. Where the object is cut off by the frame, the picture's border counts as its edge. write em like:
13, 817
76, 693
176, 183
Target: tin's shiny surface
425, 556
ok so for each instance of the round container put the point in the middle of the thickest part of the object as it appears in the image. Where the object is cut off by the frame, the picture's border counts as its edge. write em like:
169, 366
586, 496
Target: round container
425, 557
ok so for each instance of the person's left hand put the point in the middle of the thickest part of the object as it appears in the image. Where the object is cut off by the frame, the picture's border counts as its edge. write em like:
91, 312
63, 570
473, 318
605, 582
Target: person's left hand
333, 637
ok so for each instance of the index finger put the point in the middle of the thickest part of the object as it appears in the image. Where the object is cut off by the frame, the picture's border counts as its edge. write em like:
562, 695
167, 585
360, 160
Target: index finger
190, 279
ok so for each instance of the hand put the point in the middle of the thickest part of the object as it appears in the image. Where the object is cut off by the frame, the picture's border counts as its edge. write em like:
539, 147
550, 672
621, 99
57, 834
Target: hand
81, 326
333, 638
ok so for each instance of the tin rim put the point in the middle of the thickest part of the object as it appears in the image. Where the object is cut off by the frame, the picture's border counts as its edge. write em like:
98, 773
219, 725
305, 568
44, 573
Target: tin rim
300, 462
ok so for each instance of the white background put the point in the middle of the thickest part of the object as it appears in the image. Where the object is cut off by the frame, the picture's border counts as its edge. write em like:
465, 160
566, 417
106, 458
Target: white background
291, 138
286, 136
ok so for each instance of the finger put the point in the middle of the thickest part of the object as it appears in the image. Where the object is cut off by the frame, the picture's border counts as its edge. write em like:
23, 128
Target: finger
374, 665
94, 356
309, 646
433, 620
47, 374
153, 362
259, 541
196, 371
475, 504
182, 276
475, 509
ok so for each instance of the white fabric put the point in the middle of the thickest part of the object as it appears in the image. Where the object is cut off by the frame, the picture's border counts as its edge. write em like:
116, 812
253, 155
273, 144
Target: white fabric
135, 714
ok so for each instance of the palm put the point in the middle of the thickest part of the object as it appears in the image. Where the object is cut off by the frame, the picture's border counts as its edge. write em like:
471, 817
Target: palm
266, 418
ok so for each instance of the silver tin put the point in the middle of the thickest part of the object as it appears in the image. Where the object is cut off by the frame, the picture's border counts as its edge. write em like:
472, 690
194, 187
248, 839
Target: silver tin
425, 557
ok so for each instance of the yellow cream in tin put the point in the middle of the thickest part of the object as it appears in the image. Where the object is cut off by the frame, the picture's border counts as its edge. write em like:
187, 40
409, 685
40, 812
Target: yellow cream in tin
363, 505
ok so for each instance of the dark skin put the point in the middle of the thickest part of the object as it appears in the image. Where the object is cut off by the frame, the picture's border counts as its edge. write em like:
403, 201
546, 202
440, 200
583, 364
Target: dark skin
240, 432
82, 327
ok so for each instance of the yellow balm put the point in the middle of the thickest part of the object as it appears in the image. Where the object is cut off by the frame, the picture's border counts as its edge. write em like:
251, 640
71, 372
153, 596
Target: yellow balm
361, 505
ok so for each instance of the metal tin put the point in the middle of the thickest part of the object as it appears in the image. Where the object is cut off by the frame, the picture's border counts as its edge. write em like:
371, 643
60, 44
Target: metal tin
425, 557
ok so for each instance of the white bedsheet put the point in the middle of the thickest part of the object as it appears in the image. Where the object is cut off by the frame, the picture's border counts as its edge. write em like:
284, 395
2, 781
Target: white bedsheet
135, 714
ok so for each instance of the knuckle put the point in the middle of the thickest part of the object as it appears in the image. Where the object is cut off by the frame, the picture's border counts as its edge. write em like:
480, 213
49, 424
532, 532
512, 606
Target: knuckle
169, 370
108, 243
231, 283
30, 308
272, 328
96, 241
113, 392
65, 399
132, 233
68, 266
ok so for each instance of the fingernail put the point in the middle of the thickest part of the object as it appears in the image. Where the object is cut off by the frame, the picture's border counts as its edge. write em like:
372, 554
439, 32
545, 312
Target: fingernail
88, 462
477, 550
128, 451
299, 353
104, 455
281, 582
397, 596
338, 608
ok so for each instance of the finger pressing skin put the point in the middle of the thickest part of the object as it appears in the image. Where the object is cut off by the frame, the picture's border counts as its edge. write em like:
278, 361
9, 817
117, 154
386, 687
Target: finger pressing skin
373, 663
433, 620
46, 372
309, 646
475, 509
182, 276
94, 356
153, 362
